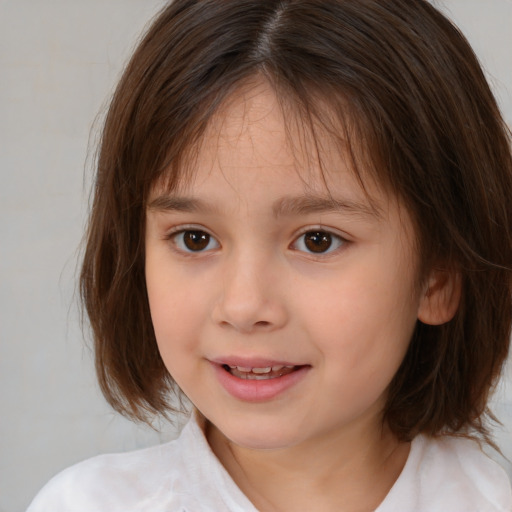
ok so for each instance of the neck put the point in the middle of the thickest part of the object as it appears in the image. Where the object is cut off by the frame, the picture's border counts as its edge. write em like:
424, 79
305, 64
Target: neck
347, 471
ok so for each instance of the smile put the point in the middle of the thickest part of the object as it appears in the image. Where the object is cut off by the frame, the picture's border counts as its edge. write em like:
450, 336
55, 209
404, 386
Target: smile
258, 380
268, 372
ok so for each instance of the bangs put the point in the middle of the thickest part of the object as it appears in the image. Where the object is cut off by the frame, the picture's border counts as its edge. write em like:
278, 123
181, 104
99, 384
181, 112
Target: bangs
314, 123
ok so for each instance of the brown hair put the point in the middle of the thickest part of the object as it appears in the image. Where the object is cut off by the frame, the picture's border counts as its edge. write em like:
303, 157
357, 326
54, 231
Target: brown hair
409, 82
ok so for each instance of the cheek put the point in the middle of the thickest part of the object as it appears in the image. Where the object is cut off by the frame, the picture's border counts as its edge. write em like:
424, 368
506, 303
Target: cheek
173, 305
176, 326
362, 346
363, 321
175, 315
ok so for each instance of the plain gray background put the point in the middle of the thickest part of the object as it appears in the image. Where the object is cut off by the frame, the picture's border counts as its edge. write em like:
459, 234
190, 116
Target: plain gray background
59, 60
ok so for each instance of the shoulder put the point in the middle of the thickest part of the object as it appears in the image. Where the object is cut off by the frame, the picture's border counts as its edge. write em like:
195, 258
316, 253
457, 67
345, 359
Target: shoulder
181, 476
450, 473
111, 483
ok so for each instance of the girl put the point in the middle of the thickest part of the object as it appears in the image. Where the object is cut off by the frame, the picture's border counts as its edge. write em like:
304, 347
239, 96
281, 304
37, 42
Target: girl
302, 222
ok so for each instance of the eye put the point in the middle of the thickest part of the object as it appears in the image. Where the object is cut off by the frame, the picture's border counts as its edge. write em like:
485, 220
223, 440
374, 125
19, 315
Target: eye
194, 240
318, 242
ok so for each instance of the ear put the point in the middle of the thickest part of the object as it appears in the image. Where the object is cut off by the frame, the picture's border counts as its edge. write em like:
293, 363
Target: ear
440, 298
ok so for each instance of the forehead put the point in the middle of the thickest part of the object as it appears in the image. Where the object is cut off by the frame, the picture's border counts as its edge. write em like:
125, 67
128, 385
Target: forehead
256, 138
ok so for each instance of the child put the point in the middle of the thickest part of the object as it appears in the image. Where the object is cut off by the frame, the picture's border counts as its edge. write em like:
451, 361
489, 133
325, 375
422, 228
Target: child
302, 222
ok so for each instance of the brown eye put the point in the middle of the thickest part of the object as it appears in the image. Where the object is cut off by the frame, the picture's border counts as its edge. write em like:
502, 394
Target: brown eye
318, 242
194, 241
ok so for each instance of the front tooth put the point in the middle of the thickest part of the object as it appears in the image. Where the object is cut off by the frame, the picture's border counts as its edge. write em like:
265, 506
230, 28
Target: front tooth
243, 369
268, 369
259, 377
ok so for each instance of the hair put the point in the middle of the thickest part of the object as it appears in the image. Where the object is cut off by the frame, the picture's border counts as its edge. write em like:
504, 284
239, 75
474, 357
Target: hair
422, 114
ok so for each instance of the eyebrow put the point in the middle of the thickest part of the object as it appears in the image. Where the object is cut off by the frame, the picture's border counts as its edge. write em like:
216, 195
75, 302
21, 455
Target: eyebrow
310, 203
285, 206
179, 204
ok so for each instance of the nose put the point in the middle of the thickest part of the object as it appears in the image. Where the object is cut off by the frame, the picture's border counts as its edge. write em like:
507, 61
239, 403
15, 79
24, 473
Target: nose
252, 296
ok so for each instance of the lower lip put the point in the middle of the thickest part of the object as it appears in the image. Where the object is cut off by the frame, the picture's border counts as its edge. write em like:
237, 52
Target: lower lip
250, 390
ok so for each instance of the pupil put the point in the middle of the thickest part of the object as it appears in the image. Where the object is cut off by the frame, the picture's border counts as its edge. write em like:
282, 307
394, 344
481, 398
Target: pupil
318, 241
196, 240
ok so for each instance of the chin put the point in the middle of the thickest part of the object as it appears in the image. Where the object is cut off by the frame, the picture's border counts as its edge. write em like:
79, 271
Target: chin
262, 437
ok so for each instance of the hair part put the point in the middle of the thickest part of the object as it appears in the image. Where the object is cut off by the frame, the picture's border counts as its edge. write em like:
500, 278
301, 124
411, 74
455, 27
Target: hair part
393, 78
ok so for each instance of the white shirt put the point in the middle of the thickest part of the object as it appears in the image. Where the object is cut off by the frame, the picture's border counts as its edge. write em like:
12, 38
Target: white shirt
440, 475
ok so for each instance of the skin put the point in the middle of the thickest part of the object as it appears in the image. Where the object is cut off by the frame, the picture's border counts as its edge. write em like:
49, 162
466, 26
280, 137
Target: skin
257, 291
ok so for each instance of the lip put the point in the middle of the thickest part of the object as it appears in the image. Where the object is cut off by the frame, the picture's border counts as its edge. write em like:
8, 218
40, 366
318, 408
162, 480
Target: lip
249, 390
252, 362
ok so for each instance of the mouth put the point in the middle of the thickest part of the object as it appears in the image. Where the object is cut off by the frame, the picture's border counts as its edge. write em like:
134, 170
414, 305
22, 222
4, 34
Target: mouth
263, 373
256, 379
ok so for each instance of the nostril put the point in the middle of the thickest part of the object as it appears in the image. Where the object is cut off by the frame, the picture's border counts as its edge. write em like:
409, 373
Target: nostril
262, 323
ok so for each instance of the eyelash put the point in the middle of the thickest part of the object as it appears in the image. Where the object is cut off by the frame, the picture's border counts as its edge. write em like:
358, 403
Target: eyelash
335, 239
332, 239
174, 234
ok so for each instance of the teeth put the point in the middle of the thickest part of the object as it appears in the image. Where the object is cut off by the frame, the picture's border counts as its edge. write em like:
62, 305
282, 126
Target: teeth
240, 368
254, 376
268, 369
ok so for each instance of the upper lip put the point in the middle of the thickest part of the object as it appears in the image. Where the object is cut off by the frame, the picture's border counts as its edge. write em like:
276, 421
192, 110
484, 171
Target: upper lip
252, 362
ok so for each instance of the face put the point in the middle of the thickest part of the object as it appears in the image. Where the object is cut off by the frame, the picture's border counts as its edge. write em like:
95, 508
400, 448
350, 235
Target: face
283, 303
